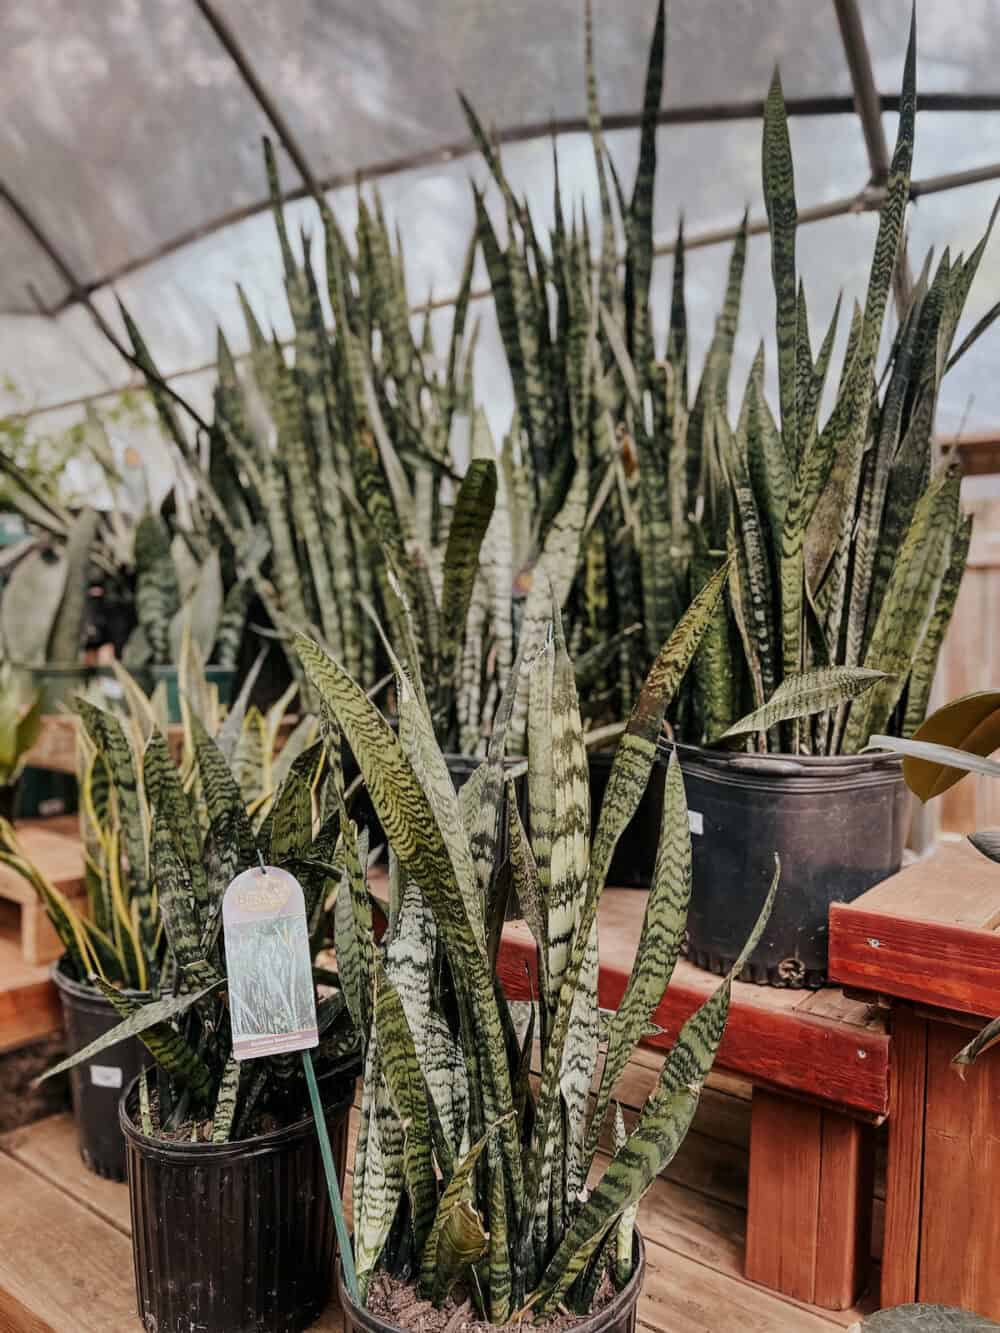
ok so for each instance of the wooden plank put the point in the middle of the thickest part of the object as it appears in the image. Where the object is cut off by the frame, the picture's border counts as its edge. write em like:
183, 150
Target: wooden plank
845, 1211
62, 1269
770, 1038
904, 1165
957, 886
50, 1149
60, 858
960, 1224
783, 1208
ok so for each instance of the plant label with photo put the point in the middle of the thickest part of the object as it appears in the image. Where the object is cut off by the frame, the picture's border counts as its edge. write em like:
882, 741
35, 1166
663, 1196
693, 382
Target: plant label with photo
272, 1002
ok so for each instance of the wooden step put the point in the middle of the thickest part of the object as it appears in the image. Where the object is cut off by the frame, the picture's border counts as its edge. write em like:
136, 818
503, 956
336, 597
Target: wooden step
53, 846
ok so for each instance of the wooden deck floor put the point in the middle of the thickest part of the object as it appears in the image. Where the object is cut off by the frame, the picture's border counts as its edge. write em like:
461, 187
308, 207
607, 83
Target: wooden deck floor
65, 1259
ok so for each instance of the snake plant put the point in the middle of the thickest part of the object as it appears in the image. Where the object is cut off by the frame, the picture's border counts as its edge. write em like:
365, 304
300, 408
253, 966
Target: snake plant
463, 1173
360, 463
187, 834
20, 723
122, 762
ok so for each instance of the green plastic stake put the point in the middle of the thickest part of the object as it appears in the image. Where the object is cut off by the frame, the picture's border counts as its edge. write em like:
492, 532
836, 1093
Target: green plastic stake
336, 1203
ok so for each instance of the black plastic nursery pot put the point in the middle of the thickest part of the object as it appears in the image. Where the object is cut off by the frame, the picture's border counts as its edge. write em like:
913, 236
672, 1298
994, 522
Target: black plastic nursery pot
234, 1237
635, 856
838, 824
97, 1084
618, 1316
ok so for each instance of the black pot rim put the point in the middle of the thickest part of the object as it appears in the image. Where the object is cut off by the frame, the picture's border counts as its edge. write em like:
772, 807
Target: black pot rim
82, 990
173, 668
592, 1323
273, 1141
885, 762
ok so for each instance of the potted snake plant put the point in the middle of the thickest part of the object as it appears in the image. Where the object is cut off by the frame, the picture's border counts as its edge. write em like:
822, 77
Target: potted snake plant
849, 545
257, 1250
115, 936
469, 1187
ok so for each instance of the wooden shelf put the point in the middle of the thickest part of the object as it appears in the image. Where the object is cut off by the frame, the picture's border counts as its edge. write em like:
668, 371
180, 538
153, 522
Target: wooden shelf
817, 1044
928, 934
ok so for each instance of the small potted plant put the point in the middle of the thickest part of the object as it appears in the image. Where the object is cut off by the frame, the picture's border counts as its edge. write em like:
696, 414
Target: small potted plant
470, 1191
119, 939
231, 1224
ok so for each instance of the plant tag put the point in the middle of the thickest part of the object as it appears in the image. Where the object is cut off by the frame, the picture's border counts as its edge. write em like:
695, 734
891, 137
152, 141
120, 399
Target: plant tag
105, 1076
272, 1001
696, 821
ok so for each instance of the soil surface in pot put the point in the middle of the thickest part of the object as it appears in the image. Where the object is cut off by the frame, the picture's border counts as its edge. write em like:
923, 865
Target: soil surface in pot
200, 1131
398, 1302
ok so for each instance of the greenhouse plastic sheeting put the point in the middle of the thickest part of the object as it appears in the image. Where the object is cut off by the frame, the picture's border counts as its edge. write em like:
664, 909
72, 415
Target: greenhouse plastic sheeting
125, 124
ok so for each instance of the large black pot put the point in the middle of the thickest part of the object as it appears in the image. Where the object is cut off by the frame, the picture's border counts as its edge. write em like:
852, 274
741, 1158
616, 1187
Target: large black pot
635, 856
618, 1316
234, 1237
97, 1084
839, 825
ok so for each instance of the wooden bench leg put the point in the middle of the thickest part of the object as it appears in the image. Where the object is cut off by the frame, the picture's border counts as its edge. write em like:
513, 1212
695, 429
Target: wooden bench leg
809, 1210
905, 1164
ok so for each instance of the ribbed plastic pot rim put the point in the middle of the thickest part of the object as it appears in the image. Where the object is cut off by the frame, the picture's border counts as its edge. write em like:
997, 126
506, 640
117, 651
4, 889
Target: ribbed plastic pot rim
273, 1141
806, 763
83, 990
609, 1315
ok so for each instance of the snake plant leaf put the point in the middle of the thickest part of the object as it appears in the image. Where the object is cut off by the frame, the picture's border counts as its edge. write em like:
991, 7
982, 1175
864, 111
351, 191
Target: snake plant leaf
107, 734
151, 1023
407, 1090
779, 198
353, 933
30, 604
157, 595
66, 639
224, 801
578, 1069
924, 669
607, 285
474, 506
639, 221
970, 723
541, 785
933, 759
457, 1239
658, 1134
658, 948
752, 555
202, 610
499, 1255
765, 456
169, 802
804, 694
926, 1319
914, 583
177, 905
383, 1184
624, 1241
225, 1102
981, 1042
571, 809
292, 817
527, 887
413, 830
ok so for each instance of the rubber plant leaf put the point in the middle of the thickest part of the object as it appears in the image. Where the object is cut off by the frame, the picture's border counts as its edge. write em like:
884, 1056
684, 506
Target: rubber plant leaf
970, 723
805, 693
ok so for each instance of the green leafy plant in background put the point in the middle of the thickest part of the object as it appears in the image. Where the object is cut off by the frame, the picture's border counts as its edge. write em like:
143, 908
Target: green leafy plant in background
956, 739
924, 1319
463, 1173
123, 761
187, 835
20, 723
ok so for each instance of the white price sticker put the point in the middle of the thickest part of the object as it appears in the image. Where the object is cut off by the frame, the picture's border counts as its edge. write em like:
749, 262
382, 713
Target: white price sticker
696, 821
105, 1076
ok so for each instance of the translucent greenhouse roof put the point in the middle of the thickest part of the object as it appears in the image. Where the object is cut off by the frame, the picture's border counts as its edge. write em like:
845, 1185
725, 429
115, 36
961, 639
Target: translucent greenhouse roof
131, 165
